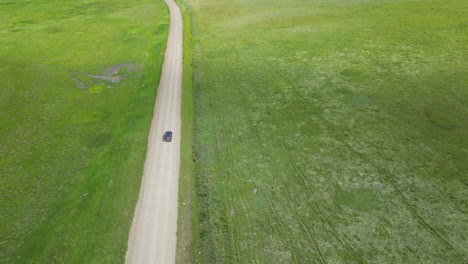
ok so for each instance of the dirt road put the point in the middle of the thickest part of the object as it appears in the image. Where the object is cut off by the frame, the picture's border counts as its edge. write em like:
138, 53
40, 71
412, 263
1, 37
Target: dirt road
153, 234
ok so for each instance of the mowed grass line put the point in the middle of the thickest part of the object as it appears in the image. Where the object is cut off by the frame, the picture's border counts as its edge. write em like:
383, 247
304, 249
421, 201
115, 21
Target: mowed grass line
72, 144
330, 131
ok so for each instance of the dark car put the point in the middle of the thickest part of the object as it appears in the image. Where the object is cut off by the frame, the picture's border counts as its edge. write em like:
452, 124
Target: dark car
167, 136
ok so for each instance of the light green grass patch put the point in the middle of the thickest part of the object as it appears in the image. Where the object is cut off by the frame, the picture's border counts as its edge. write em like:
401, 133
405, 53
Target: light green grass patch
71, 148
96, 89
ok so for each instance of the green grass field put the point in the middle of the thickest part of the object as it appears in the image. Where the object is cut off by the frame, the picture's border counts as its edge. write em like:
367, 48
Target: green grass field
77, 89
330, 131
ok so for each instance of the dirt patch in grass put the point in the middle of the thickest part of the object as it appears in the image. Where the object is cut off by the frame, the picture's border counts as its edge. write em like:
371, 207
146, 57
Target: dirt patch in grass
114, 74
79, 83
119, 69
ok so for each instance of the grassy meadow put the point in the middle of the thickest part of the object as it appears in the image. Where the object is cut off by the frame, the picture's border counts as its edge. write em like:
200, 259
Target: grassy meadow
331, 131
78, 82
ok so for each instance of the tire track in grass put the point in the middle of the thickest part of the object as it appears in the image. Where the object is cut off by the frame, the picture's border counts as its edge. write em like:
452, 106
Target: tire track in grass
272, 207
324, 220
277, 218
317, 207
274, 212
276, 170
224, 134
293, 206
226, 197
382, 172
303, 177
413, 211
289, 197
249, 221
319, 212
232, 186
233, 168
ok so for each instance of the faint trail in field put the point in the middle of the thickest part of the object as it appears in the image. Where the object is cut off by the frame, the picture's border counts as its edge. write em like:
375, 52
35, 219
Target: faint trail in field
304, 180
221, 132
232, 165
267, 193
413, 211
322, 216
301, 174
293, 206
284, 228
289, 197
271, 204
382, 171
232, 171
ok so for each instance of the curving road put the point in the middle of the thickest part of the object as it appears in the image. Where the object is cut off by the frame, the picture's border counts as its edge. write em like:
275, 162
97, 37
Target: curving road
153, 234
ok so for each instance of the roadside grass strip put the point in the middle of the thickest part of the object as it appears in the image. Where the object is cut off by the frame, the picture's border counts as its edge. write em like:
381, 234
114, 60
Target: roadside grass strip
77, 91
187, 239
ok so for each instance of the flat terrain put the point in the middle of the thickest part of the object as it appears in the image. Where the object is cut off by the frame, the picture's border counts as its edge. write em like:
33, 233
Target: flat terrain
153, 235
331, 131
77, 91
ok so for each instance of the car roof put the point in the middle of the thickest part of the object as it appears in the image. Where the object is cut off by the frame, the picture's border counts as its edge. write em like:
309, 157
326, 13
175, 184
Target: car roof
168, 133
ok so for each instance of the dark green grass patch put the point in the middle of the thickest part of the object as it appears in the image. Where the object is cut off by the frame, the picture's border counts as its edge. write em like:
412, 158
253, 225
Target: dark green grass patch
78, 84
331, 131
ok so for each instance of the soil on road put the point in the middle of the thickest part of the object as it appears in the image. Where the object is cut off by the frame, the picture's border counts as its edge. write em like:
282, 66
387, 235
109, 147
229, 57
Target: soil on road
153, 234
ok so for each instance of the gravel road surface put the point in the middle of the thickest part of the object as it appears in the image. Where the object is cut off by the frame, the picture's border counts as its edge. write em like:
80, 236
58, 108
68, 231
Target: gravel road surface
153, 234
